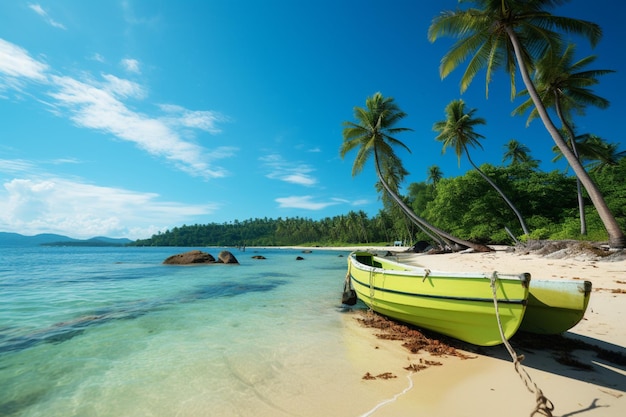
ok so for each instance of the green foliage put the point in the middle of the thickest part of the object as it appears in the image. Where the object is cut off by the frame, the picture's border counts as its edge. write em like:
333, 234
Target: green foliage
353, 228
465, 206
612, 183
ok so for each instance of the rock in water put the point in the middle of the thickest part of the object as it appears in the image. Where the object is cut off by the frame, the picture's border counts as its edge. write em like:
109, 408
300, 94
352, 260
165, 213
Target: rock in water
191, 257
227, 258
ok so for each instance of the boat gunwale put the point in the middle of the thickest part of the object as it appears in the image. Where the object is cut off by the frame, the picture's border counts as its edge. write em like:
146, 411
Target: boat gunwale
422, 273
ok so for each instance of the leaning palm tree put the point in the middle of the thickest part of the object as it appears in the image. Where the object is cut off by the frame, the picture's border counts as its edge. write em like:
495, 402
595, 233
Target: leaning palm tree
513, 34
596, 153
606, 154
373, 135
564, 85
393, 174
457, 131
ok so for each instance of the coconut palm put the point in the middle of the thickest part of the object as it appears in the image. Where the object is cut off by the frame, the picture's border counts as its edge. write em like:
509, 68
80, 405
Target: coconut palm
435, 174
457, 131
607, 155
373, 135
596, 153
517, 153
513, 34
564, 85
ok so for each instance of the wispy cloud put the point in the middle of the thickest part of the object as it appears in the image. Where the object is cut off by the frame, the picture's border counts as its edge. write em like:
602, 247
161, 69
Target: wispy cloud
361, 202
101, 104
14, 166
203, 120
15, 62
131, 65
305, 202
97, 57
41, 12
59, 205
291, 172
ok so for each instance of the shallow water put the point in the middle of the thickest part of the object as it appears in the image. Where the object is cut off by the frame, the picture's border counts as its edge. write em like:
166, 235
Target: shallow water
113, 332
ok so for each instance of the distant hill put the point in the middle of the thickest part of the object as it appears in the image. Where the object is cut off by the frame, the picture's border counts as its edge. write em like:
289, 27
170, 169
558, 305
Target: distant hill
49, 239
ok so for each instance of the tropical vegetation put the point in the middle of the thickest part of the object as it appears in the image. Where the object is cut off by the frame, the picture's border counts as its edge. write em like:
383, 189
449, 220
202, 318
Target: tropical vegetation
463, 211
514, 34
464, 206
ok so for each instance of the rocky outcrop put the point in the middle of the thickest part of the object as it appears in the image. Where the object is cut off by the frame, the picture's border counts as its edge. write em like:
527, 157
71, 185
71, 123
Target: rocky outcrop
195, 257
191, 257
226, 257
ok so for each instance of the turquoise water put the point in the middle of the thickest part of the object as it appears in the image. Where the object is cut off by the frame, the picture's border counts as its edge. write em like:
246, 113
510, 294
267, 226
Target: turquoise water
113, 332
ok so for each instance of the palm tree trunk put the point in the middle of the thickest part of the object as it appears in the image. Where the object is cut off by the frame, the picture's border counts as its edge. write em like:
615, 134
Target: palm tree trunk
616, 236
579, 191
504, 197
423, 223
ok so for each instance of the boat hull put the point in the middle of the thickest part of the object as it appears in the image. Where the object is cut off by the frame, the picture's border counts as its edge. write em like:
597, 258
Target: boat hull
454, 304
555, 306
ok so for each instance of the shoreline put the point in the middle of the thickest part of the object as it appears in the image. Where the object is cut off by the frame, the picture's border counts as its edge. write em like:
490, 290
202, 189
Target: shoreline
577, 382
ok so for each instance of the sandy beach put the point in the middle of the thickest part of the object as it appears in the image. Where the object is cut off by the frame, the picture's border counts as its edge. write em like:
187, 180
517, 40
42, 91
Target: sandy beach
484, 382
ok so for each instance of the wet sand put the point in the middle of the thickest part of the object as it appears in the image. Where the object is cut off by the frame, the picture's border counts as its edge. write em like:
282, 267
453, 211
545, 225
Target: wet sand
582, 372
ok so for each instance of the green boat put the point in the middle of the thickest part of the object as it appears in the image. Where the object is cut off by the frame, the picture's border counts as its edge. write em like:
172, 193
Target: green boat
460, 305
555, 306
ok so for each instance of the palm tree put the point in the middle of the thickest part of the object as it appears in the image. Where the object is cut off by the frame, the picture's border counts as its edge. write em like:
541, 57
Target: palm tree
596, 153
517, 153
435, 174
514, 33
606, 154
564, 85
373, 135
457, 131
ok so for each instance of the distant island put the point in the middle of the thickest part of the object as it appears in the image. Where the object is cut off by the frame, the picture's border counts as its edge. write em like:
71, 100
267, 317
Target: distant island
50, 239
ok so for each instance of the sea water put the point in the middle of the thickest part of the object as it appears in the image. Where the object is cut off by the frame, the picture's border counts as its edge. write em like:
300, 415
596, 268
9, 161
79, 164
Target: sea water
115, 332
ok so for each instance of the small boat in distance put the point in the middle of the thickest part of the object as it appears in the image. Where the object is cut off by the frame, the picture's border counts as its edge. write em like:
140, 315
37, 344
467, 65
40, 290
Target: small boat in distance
555, 306
460, 305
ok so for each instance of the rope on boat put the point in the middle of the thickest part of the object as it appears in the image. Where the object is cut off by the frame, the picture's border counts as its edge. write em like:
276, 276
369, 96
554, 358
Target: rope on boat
371, 281
543, 406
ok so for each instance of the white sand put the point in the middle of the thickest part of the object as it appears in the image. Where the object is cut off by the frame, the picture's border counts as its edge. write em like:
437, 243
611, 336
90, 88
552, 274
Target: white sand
488, 385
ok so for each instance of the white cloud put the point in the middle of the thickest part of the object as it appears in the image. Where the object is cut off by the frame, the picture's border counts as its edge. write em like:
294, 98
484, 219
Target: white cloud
58, 205
303, 202
41, 12
291, 172
16, 62
122, 88
13, 166
101, 105
131, 65
203, 120
97, 57
362, 202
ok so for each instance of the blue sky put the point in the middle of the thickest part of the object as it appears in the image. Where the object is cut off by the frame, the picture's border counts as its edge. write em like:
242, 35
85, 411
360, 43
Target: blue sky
125, 118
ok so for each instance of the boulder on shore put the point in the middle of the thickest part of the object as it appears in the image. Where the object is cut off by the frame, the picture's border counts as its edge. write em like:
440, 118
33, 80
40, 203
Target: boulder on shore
226, 257
191, 257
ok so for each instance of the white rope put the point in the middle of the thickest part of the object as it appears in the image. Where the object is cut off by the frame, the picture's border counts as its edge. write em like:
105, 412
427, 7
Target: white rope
543, 405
